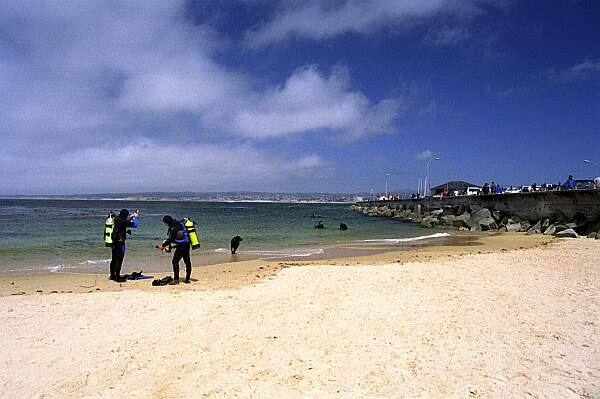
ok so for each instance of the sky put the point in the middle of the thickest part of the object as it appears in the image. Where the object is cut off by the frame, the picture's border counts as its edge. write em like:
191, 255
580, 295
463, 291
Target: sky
295, 96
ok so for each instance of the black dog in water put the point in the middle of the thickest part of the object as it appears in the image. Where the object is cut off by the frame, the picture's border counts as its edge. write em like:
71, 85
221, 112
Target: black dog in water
235, 243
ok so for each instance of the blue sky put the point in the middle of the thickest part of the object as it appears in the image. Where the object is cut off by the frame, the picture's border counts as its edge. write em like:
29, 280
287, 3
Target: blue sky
258, 95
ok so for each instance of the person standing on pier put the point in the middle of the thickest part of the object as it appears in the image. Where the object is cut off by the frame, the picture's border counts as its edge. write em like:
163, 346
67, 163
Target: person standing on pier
570, 184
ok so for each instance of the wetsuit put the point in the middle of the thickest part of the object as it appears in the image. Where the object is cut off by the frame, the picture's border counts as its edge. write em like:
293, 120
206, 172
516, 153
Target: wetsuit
179, 238
235, 243
119, 235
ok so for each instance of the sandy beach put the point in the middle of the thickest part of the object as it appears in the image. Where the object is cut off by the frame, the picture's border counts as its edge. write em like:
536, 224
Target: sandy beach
501, 316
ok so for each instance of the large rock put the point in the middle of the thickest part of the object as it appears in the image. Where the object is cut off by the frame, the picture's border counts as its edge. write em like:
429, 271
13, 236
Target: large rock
588, 228
401, 214
497, 215
382, 211
474, 208
448, 220
436, 212
554, 228
536, 228
514, 219
545, 224
525, 225
481, 214
567, 233
449, 211
429, 221
463, 220
487, 224
461, 209
477, 216
513, 227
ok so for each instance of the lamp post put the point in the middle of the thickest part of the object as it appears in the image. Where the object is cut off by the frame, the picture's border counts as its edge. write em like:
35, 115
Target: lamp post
426, 185
592, 163
386, 184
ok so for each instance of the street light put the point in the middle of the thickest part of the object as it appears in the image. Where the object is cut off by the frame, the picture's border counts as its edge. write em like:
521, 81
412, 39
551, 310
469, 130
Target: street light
386, 184
592, 163
426, 185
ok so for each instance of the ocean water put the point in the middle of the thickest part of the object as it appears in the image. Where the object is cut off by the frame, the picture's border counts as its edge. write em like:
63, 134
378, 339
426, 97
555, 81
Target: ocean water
40, 236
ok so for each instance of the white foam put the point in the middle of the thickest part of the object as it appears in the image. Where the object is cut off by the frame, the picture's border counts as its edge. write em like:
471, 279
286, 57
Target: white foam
94, 262
287, 253
55, 268
399, 240
221, 250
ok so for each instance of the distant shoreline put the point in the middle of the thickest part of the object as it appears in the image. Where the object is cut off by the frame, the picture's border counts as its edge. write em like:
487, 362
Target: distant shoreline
173, 200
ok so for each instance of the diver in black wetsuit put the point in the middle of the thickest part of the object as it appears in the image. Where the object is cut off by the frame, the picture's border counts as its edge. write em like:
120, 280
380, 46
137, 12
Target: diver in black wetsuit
178, 236
235, 243
119, 235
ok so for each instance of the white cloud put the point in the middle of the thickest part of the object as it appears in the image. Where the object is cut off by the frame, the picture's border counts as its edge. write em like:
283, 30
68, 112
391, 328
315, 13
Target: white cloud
580, 71
310, 101
94, 67
150, 165
427, 154
315, 20
83, 80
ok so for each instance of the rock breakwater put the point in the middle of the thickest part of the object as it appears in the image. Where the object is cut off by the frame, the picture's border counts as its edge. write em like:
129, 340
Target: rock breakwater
475, 218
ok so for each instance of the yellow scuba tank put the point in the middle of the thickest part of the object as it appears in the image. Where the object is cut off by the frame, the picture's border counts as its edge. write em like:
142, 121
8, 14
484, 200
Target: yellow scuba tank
192, 234
108, 229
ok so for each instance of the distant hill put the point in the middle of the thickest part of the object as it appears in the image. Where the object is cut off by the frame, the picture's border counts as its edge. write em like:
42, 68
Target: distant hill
194, 196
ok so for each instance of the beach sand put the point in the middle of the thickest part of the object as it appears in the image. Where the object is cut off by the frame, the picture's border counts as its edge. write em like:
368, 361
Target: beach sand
501, 316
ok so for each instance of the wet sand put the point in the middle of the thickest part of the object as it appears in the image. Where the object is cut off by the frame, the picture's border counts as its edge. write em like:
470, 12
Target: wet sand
238, 272
502, 316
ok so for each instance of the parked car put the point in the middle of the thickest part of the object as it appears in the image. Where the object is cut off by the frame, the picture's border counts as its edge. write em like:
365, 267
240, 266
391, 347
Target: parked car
473, 190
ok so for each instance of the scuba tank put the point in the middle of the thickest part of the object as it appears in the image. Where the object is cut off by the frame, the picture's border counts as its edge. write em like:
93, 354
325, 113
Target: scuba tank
109, 225
190, 226
135, 218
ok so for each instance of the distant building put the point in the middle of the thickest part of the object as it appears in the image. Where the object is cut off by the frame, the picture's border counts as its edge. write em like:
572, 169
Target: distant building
452, 187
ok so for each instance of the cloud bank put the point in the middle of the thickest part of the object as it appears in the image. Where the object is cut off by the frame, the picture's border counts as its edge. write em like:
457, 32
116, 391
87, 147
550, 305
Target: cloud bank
81, 82
148, 165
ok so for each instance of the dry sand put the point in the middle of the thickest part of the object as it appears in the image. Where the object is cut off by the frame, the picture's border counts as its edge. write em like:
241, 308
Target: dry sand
435, 322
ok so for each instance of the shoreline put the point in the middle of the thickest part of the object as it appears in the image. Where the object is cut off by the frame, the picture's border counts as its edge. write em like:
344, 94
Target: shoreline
246, 272
161, 263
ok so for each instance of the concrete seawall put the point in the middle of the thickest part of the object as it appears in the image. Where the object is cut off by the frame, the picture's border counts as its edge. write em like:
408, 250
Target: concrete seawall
553, 205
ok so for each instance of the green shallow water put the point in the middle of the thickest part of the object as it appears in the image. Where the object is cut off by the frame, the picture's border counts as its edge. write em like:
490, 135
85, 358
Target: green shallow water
64, 235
